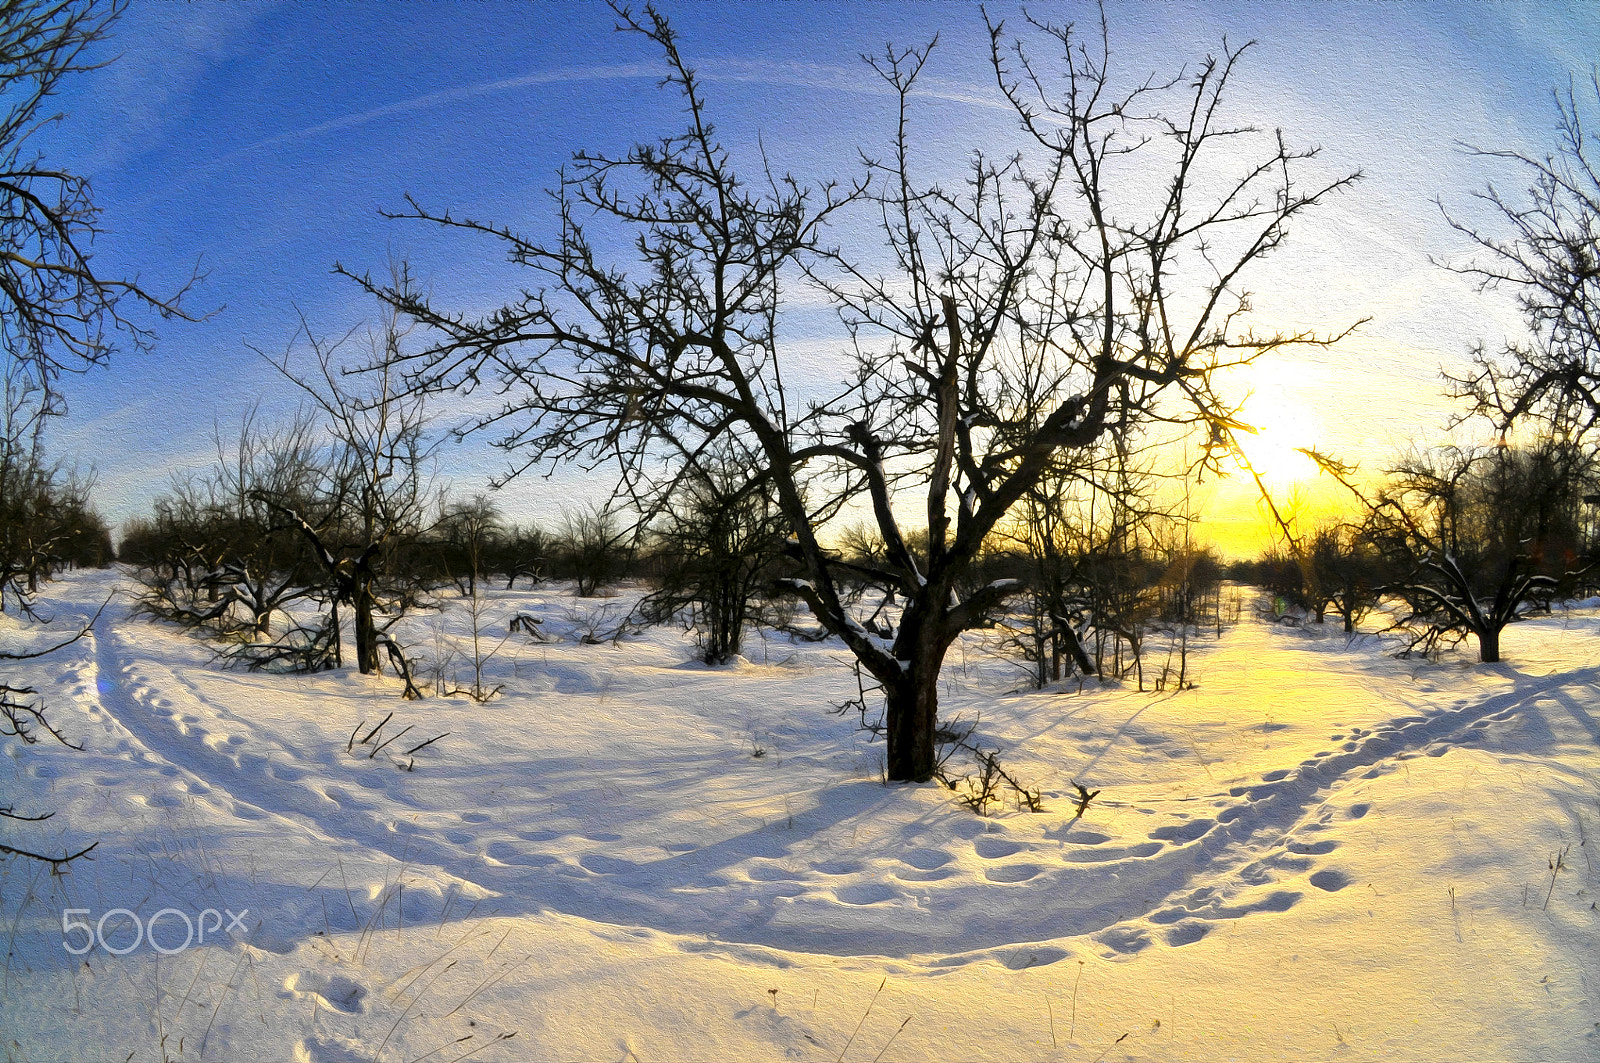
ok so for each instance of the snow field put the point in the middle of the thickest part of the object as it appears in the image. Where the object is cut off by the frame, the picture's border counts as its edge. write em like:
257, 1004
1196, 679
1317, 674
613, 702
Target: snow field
1319, 853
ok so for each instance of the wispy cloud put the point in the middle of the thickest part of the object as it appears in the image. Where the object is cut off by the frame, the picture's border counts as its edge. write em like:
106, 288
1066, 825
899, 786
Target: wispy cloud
811, 76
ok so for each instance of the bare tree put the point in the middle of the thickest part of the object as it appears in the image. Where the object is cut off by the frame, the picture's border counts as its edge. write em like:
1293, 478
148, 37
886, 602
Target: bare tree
465, 534
216, 547
1550, 258
57, 312
521, 550
593, 548
1350, 572
1089, 527
719, 542
372, 495
1478, 537
1124, 290
265, 568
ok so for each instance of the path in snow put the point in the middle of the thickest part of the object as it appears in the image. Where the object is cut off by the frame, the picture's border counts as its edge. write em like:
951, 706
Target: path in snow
849, 868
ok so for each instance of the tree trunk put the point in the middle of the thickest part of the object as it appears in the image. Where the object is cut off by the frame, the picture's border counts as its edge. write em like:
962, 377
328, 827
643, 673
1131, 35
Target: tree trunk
366, 631
913, 698
1489, 646
1074, 645
912, 715
338, 634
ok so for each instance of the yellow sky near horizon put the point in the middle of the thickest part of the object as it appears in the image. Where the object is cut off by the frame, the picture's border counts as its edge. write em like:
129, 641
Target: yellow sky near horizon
1364, 402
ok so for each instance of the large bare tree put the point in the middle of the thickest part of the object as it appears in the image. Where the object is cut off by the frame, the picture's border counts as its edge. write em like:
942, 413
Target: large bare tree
1108, 262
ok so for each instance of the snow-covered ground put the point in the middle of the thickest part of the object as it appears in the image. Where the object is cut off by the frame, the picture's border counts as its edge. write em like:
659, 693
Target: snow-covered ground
1317, 853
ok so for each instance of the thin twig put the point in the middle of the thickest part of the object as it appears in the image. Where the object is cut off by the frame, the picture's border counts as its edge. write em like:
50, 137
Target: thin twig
863, 1021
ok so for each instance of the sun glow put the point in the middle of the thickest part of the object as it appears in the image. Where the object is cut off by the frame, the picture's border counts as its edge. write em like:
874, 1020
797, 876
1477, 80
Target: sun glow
1284, 427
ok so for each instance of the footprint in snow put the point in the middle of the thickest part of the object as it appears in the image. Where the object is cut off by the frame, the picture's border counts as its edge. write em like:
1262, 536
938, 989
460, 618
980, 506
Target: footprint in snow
837, 867
1124, 939
500, 852
1313, 848
336, 993
995, 848
1188, 932
866, 893
1102, 856
1330, 879
926, 859
1012, 872
771, 873
331, 1050
601, 864
1184, 832
1022, 959
525, 835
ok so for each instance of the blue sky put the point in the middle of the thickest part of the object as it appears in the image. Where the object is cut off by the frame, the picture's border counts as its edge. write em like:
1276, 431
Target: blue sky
263, 139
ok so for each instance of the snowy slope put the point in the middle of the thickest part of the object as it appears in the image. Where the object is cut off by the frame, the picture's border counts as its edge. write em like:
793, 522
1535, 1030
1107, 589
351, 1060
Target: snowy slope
1318, 853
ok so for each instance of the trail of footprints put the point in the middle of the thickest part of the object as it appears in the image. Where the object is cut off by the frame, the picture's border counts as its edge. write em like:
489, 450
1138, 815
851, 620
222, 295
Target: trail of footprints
1273, 805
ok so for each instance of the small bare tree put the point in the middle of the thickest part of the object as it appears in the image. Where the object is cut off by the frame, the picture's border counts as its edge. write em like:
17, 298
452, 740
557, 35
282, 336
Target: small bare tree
464, 537
719, 541
521, 551
1478, 536
593, 548
1350, 572
372, 494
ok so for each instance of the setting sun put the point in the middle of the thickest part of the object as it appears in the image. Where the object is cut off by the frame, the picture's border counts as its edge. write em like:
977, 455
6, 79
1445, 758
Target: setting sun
1283, 427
